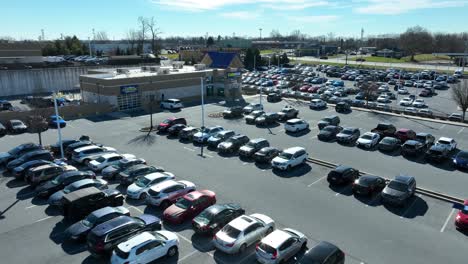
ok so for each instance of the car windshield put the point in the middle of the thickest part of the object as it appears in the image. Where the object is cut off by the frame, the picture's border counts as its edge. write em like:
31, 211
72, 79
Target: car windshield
251, 144
167, 121
89, 221
100, 159
16, 123
329, 129
205, 217
389, 140
69, 189
56, 180
285, 155
267, 248
142, 182
443, 142
183, 203
347, 131
368, 137
399, 186
465, 209
231, 231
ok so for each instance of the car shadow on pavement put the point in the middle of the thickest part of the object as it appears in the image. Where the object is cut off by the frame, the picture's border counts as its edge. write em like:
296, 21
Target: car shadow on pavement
238, 258
370, 200
202, 243
445, 165
39, 201
177, 227
154, 210
263, 166
246, 159
299, 133
57, 235
25, 193
92, 260
297, 171
227, 154
15, 183
416, 206
416, 159
345, 190
347, 145
134, 202
393, 153
185, 141
268, 126
52, 211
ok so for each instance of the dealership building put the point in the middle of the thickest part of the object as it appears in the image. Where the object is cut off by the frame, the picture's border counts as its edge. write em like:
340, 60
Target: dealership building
136, 87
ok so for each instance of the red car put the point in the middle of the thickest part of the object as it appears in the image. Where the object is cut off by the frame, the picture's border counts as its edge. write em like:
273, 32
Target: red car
405, 134
189, 206
313, 89
166, 124
461, 221
304, 88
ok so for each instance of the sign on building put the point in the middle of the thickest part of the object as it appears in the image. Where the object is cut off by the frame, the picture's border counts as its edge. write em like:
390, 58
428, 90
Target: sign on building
128, 89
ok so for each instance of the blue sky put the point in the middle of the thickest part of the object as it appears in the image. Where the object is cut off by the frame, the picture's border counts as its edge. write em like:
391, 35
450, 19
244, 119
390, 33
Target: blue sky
24, 19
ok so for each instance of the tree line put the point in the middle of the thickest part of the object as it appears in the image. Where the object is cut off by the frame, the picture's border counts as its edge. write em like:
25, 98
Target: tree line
253, 59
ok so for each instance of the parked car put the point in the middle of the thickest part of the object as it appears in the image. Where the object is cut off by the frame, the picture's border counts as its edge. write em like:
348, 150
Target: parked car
110, 172
368, 185
266, 119
399, 190
72, 147
266, 154
233, 112
413, 148
85, 155
296, 125
323, 253
254, 145
425, 113
419, 103
215, 217
252, 107
43, 173
16, 126
405, 134
288, 112
389, 144
273, 97
41, 154
106, 160
232, 144
77, 205
384, 130
167, 192
328, 121
20, 171
169, 122
290, 158
242, 232
406, 101
189, 206
342, 175
250, 119
105, 237
342, 107
54, 120
139, 189
146, 247
79, 230
437, 153
460, 160
56, 198
448, 143
188, 133
280, 246
461, 220
206, 133
329, 133
455, 117
175, 129
17, 152
55, 148
171, 104
129, 175
426, 139
47, 188
221, 136
348, 135
317, 104
368, 140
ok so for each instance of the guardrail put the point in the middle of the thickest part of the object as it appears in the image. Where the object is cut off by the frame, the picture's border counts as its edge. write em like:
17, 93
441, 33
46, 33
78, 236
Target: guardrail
426, 192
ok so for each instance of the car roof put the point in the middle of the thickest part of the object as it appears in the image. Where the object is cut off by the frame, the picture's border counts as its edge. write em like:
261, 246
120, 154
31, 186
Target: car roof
192, 196
256, 140
81, 193
242, 222
155, 175
110, 155
293, 150
108, 210
321, 251
86, 148
135, 241
112, 224
294, 120
403, 130
423, 134
43, 167
403, 178
445, 139
164, 185
276, 238
412, 142
342, 168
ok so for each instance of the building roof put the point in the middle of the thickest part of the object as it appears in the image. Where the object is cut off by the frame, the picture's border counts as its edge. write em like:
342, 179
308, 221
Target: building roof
221, 59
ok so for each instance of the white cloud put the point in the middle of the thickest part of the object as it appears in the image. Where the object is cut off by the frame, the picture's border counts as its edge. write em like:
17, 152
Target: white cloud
313, 19
243, 15
392, 7
203, 5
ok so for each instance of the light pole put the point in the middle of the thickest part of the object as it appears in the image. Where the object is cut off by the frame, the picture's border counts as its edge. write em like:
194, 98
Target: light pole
202, 112
260, 29
58, 125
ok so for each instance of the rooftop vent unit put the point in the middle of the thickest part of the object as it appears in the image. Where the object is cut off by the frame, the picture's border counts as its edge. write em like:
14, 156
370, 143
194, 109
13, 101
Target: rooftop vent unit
178, 64
154, 69
200, 67
163, 71
122, 71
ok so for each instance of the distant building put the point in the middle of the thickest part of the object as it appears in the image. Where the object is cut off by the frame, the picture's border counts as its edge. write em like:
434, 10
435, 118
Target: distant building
111, 47
388, 53
20, 52
313, 49
368, 50
235, 43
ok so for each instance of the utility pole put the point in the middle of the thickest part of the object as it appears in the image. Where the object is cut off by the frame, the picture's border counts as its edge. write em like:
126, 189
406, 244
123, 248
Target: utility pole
260, 29
58, 125
42, 35
464, 57
89, 46
202, 112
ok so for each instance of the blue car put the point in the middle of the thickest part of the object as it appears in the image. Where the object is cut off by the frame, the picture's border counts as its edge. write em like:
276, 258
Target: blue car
461, 160
338, 83
53, 121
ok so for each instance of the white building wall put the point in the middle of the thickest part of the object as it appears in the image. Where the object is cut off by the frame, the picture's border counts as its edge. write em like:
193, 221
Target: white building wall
89, 97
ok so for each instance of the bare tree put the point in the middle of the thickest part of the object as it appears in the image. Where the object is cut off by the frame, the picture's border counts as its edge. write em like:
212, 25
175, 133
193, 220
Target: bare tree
369, 90
6, 38
415, 40
154, 31
132, 38
101, 36
142, 32
460, 96
37, 124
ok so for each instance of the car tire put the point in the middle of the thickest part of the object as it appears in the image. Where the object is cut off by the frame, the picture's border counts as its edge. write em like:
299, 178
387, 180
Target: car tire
242, 248
165, 204
143, 196
172, 251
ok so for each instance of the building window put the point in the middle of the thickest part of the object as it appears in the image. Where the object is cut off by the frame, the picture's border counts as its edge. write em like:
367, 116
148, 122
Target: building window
129, 101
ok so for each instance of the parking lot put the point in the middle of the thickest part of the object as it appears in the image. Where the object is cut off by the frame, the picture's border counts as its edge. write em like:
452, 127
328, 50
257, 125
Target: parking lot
369, 232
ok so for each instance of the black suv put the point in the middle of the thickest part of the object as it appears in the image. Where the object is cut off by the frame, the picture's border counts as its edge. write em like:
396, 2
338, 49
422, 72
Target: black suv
64, 179
220, 137
412, 148
33, 155
273, 97
329, 133
342, 175
437, 154
384, 130
80, 203
232, 144
348, 135
250, 119
342, 107
323, 253
328, 121
266, 154
215, 217
253, 146
129, 175
106, 236
233, 112
266, 119
18, 152
399, 190
425, 138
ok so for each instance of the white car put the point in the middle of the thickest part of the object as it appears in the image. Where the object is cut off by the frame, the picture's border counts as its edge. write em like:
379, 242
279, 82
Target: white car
425, 112
383, 106
411, 110
242, 232
368, 140
87, 154
446, 142
146, 248
383, 99
107, 160
171, 104
138, 189
252, 107
290, 158
406, 101
402, 90
167, 192
280, 246
383, 88
419, 103
296, 125
203, 136
317, 104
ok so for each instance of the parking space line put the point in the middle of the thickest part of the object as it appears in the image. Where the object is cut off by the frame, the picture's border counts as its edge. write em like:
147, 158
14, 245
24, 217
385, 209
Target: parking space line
409, 207
136, 208
245, 163
461, 130
447, 220
442, 126
190, 241
42, 219
316, 181
189, 149
186, 256
29, 207
246, 257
